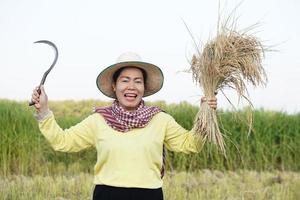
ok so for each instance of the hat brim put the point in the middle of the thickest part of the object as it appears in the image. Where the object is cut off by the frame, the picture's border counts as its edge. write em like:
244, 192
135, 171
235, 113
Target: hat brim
154, 80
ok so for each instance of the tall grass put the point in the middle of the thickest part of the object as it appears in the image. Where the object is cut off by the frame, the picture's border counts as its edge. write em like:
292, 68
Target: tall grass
272, 145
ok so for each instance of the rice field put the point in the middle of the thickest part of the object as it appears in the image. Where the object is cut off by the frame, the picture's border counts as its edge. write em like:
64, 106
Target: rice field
203, 184
262, 165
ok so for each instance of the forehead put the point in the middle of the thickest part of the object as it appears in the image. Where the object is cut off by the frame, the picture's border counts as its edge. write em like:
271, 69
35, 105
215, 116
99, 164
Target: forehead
131, 71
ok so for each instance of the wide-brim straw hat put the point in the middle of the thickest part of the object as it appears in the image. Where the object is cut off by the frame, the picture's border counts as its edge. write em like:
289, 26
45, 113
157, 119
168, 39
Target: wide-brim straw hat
154, 80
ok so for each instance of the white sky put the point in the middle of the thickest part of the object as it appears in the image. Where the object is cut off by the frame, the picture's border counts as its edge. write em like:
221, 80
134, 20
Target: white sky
90, 35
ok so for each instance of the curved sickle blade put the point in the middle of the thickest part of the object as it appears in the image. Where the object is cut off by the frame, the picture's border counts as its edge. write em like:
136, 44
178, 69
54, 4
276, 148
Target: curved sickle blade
51, 67
54, 61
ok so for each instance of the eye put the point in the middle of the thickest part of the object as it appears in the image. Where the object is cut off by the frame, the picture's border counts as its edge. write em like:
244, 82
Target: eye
139, 81
124, 80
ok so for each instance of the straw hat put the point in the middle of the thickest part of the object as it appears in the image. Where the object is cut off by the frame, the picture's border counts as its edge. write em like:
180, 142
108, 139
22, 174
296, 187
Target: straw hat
154, 80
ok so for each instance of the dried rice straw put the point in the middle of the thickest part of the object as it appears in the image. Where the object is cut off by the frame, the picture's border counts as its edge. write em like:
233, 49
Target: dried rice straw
229, 60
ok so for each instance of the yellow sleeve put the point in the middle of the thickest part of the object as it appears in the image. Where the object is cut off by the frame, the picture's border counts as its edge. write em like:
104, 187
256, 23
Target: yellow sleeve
179, 139
74, 139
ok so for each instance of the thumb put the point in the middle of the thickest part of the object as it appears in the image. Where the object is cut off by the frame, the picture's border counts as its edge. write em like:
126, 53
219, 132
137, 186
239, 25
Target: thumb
43, 100
42, 89
43, 93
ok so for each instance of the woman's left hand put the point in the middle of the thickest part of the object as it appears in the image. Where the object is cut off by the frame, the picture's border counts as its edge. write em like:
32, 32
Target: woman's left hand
212, 102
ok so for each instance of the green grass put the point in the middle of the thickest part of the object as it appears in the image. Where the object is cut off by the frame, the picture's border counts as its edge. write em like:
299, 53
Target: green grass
272, 145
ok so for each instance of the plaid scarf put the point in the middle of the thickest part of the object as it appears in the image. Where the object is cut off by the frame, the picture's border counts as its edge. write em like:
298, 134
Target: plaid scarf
123, 121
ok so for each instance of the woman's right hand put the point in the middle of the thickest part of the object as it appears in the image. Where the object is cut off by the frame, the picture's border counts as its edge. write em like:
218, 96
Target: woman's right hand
40, 100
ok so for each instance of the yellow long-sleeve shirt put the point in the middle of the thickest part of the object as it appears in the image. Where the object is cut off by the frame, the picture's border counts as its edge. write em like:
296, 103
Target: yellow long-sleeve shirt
131, 159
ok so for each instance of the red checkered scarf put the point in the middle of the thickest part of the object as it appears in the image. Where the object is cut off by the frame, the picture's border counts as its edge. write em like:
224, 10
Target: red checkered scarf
121, 120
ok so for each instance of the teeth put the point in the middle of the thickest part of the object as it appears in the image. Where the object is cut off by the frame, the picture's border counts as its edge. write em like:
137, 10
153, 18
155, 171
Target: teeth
130, 95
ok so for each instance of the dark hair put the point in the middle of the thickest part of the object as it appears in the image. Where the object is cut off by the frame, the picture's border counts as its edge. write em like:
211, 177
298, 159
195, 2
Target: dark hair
118, 72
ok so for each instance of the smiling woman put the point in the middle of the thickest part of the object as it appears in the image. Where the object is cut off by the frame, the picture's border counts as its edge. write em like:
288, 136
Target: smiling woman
129, 136
129, 87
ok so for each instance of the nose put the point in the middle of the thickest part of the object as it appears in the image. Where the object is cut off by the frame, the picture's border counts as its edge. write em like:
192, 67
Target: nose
131, 85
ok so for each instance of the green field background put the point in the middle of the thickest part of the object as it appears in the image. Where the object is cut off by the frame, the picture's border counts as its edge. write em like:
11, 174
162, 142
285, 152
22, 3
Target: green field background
273, 144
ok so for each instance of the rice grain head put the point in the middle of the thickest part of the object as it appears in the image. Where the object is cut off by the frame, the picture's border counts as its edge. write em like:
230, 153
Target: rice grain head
231, 59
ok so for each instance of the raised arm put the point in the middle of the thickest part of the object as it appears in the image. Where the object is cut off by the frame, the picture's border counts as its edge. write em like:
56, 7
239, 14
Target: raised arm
181, 140
74, 139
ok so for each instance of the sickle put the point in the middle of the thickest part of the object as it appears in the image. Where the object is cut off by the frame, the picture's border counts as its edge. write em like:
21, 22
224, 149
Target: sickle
51, 67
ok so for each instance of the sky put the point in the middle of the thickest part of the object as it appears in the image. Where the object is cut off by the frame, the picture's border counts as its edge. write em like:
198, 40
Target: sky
91, 34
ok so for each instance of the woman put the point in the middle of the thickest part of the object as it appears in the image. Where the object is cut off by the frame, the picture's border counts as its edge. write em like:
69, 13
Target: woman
129, 136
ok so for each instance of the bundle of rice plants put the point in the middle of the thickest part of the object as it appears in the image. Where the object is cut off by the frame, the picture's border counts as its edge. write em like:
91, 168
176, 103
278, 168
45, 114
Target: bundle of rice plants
230, 60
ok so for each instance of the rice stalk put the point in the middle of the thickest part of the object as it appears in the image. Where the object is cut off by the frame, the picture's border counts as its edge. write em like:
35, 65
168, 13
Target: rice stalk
232, 59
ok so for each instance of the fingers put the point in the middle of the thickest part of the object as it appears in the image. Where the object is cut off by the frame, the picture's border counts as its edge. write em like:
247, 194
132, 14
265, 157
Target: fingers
213, 105
212, 102
39, 97
209, 100
35, 95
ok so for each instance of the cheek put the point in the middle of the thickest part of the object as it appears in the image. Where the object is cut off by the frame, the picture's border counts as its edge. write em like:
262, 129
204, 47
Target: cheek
117, 90
119, 87
142, 89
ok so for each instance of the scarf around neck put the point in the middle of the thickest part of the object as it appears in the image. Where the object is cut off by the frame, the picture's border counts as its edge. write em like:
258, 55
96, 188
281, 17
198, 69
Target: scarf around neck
121, 120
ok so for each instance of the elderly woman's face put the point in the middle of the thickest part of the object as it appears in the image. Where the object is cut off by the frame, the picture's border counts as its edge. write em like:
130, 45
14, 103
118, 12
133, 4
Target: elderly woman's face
129, 88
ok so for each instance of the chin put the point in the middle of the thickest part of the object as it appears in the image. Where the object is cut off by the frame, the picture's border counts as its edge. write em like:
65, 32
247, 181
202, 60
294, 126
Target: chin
131, 105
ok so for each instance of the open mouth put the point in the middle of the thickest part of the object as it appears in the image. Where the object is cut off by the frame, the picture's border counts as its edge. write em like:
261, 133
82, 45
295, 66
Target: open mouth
130, 96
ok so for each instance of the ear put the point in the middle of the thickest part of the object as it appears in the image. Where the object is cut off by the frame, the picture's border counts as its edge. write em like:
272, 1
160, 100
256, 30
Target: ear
114, 87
